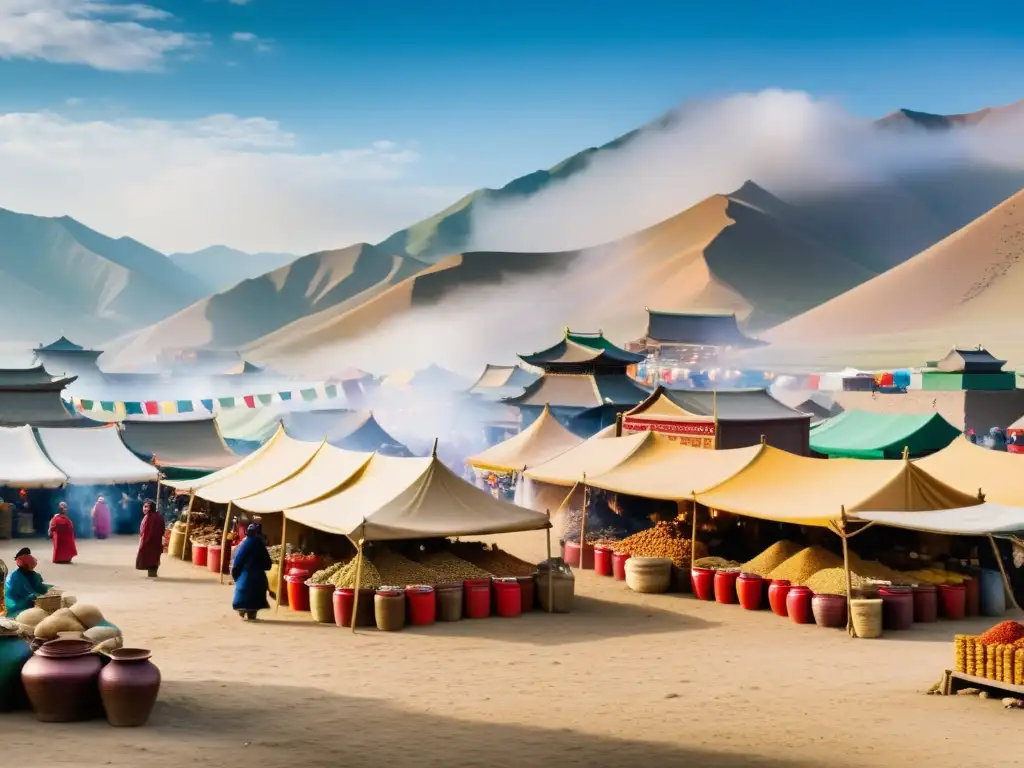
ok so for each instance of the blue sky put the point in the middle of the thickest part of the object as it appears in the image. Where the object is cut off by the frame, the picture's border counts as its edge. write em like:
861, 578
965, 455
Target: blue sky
483, 92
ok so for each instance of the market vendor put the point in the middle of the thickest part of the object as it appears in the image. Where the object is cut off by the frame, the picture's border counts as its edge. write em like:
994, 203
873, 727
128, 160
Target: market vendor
23, 584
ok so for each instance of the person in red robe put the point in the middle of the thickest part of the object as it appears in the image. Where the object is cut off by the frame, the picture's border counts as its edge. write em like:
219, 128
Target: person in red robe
62, 531
151, 540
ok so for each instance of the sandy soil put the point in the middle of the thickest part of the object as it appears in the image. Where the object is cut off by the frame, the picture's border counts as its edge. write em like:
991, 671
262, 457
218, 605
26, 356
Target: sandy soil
626, 679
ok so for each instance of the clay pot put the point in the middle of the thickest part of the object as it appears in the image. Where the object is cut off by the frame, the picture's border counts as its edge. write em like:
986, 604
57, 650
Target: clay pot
61, 681
14, 652
129, 685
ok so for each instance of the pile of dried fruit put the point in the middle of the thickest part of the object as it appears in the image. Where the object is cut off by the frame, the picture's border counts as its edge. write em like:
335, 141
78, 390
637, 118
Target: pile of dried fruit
448, 567
716, 564
804, 564
275, 552
665, 539
205, 534
370, 578
326, 575
771, 558
1003, 633
399, 571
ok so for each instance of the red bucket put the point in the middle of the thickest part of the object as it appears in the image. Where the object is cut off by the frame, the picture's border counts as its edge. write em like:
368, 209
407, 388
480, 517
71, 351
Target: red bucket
778, 591
749, 591
344, 599
972, 601
602, 561
703, 581
420, 605
897, 608
507, 598
527, 592
926, 604
829, 610
214, 559
953, 600
571, 555
298, 593
798, 605
199, 554
619, 565
477, 598
725, 586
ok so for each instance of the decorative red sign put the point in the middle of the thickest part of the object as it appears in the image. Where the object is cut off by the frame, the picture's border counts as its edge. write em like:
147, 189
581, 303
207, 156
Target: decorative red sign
702, 428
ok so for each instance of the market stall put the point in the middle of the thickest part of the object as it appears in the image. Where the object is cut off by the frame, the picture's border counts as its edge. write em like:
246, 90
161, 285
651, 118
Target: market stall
23, 464
179, 447
868, 435
94, 456
970, 468
540, 442
350, 430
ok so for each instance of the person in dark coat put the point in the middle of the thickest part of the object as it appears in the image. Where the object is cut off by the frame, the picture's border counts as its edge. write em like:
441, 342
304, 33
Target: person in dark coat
249, 570
151, 540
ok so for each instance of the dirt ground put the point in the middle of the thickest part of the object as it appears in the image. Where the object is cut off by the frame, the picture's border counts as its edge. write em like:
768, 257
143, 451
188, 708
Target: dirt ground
624, 680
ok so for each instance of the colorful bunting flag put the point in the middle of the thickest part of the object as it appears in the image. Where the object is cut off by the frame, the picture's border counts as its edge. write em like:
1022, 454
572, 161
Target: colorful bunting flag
133, 409
285, 396
308, 394
250, 401
152, 408
185, 406
265, 399
208, 405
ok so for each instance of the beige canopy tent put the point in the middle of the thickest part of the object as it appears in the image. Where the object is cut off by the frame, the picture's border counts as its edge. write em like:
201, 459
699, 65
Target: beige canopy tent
328, 470
542, 441
591, 457
968, 468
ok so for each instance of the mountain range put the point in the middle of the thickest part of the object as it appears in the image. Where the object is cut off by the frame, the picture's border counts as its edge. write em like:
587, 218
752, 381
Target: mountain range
751, 252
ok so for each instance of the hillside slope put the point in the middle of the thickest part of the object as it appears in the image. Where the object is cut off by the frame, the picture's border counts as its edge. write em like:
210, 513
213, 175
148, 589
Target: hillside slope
964, 290
58, 272
219, 267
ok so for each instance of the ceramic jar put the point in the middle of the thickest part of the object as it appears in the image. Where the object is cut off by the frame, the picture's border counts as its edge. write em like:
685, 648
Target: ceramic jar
129, 685
61, 681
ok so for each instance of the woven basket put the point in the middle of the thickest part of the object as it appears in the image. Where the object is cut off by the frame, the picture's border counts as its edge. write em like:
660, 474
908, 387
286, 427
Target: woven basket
50, 603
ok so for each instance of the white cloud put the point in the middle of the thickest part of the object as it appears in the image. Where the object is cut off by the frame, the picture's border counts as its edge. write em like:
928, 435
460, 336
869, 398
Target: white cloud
261, 44
785, 141
221, 179
109, 36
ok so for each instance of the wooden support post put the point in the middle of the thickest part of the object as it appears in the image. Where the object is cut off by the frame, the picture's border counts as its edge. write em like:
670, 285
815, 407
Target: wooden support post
188, 523
846, 569
1006, 579
551, 580
693, 535
224, 541
359, 583
583, 519
159, 481
280, 565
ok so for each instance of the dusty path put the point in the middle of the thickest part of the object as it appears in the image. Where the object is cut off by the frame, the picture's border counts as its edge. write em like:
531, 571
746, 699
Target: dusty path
625, 680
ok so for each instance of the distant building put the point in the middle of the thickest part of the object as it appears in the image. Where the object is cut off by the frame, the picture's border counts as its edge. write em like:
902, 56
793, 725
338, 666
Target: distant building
584, 382
32, 396
66, 357
679, 345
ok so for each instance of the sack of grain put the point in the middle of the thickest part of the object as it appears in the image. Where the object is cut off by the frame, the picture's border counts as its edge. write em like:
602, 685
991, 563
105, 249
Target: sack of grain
58, 621
32, 616
88, 615
108, 645
101, 634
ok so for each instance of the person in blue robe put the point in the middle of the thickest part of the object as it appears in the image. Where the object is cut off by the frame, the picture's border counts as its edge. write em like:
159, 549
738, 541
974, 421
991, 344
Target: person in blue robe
23, 584
249, 570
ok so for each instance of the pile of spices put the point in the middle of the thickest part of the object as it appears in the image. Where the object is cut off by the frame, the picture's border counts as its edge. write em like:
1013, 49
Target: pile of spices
1003, 633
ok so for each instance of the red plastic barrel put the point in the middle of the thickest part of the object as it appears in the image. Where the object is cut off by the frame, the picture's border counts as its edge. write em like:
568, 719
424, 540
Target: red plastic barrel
199, 553
897, 608
344, 599
749, 591
298, 593
778, 591
798, 604
953, 600
972, 595
602, 561
508, 600
420, 605
725, 586
571, 555
477, 598
619, 565
926, 603
703, 581
829, 610
527, 592
218, 565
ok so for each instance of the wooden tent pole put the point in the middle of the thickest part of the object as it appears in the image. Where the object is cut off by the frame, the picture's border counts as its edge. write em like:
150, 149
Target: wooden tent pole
359, 580
1002, 570
551, 580
280, 564
159, 481
846, 570
693, 535
188, 522
224, 540
583, 518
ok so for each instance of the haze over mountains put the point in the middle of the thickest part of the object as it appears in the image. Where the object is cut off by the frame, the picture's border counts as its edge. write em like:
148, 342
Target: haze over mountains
438, 288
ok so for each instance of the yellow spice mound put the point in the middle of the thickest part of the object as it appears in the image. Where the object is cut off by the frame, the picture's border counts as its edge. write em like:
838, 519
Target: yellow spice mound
804, 564
771, 558
832, 581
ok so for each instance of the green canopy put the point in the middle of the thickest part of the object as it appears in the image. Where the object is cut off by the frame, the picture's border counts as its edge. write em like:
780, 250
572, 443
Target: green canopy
866, 435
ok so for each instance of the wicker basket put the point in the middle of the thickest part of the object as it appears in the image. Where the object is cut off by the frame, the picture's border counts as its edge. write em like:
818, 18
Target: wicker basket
50, 603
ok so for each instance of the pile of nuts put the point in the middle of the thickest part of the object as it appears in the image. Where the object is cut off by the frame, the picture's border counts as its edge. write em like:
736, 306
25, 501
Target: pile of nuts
665, 539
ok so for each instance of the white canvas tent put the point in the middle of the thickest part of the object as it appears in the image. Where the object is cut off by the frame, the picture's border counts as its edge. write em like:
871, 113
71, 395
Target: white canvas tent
326, 472
94, 456
23, 463
979, 520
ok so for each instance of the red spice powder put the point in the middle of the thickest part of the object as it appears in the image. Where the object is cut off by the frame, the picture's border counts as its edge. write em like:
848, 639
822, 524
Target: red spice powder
1004, 633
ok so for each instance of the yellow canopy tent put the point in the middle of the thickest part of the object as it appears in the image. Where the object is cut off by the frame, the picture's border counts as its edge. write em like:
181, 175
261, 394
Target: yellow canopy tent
968, 468
542, 441
591, 457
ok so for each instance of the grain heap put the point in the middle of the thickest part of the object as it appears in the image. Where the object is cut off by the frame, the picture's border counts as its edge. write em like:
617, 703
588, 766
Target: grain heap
326, 575
665, 539
716, 564
346, 576
771, 558
571, 529
492, 559
448, 567
399, 571
871, 569
832, 581
804, 564
209, 536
